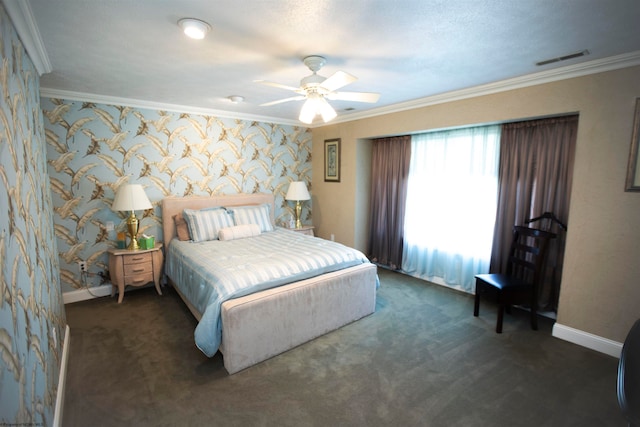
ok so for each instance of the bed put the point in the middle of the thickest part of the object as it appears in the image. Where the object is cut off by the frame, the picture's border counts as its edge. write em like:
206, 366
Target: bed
279, 315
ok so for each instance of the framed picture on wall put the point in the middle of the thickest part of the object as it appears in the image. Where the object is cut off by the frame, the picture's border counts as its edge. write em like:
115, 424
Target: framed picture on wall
332, 160
633, 168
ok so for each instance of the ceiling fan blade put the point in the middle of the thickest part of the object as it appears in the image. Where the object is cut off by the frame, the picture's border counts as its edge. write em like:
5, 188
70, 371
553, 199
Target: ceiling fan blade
278, 85
280, 101
337, 80
354, 96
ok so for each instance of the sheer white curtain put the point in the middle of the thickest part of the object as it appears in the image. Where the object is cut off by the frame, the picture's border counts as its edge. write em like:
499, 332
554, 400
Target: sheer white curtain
451, 205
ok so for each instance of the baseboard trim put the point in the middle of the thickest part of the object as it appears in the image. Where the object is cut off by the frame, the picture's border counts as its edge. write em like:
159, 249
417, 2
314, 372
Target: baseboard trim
62, 378
86, 294
585, 339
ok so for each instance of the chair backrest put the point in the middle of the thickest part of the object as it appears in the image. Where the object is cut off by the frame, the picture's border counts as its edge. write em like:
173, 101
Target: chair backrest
527, 253
629, 376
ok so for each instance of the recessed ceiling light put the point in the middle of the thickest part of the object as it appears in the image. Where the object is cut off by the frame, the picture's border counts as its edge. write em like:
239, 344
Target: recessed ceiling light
194, 28
236, 98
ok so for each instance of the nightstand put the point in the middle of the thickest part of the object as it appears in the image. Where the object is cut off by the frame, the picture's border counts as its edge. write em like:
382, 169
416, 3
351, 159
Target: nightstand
134, 268
305, 229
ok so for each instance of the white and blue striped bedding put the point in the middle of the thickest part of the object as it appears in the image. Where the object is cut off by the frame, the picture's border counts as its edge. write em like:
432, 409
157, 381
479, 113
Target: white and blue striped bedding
209, 273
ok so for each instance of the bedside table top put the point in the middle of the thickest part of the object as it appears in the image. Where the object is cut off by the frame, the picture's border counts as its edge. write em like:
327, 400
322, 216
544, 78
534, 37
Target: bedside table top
116, 251
303, 228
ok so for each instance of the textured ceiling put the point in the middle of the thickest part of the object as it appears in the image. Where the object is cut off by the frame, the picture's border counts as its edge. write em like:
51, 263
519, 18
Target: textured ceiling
133, 52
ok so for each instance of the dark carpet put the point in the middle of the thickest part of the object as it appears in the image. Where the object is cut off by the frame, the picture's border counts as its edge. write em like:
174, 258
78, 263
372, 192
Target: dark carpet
421, 359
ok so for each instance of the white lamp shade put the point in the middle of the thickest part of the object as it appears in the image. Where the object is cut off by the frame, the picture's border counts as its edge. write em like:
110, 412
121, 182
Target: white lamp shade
297, 191
131, 197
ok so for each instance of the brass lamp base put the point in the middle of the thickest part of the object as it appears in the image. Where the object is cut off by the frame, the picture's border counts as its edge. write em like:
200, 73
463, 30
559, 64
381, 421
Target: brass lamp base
298, 211
132, 226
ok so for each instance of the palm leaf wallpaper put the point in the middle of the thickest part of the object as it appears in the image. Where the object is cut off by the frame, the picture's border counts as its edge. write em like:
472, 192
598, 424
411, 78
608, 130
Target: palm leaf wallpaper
32, 318
61, 162
94, 148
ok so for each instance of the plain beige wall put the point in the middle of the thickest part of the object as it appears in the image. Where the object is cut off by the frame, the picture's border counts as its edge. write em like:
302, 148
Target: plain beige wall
600, 291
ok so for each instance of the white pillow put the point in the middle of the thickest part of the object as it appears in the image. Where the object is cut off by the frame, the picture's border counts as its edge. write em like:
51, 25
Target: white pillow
256, 214
205, 224
239, 232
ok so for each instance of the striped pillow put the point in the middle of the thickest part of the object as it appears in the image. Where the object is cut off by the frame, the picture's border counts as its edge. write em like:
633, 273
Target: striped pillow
205, 224
258, 214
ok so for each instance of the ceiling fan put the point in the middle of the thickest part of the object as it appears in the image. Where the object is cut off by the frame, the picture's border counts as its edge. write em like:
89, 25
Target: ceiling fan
316, 89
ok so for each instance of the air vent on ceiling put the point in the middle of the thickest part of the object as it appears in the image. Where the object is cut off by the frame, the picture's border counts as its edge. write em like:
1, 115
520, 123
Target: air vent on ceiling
563, 58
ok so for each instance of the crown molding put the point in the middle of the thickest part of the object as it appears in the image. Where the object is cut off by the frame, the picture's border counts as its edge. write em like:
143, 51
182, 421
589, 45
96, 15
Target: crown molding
25, 25
563, 73
138, 103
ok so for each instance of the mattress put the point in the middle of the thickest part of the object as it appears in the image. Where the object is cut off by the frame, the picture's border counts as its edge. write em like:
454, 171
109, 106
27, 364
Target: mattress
212, 272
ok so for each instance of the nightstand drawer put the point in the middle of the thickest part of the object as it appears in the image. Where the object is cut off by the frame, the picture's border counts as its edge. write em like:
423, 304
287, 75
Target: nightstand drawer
138, 280
137, 269
137, 258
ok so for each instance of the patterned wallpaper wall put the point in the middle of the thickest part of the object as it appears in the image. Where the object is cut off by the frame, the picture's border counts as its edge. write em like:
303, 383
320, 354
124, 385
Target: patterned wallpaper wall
94, 148
32, 318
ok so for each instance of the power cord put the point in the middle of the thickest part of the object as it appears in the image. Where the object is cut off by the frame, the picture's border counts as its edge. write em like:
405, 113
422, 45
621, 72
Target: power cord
84, 275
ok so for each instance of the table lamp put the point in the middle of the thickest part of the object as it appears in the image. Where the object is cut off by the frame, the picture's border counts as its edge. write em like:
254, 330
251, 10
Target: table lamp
131, 197
298, 192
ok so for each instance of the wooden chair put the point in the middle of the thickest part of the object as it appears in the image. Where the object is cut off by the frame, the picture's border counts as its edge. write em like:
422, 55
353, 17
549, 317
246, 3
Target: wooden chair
629, 376
519, 284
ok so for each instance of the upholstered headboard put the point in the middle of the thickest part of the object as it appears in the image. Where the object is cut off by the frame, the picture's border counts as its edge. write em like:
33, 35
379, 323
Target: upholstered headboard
173, 204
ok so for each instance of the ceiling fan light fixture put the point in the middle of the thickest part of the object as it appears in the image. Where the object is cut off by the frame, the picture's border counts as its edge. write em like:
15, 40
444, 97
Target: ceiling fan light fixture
194, 28
308, 111
326, 111
316, 105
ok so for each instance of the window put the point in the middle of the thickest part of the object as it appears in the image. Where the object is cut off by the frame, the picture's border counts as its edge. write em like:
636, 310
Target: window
451, 205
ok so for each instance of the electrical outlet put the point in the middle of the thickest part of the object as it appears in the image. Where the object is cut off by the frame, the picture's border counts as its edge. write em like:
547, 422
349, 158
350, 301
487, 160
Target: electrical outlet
82, 266
109, 226
333, 237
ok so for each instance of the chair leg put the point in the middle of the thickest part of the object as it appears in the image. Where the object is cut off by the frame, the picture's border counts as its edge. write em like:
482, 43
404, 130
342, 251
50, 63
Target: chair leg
500, 318
476, 304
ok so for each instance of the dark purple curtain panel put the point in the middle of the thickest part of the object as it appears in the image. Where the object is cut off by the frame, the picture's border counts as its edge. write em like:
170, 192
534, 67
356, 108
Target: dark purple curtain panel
389, 171
536, 170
